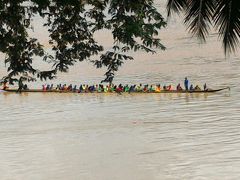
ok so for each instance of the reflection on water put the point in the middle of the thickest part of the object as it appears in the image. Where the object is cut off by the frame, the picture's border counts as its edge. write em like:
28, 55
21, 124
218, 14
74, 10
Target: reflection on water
111, 136
132, 136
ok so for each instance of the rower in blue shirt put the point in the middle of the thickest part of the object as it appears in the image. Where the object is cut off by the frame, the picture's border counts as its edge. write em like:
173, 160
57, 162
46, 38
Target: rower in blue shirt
186, 82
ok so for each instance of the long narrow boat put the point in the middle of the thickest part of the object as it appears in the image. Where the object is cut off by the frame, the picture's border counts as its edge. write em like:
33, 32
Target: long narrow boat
162, 91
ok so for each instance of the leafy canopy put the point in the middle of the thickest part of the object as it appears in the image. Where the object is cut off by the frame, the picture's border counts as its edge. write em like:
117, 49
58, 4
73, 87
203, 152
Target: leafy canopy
72, 25
200, 15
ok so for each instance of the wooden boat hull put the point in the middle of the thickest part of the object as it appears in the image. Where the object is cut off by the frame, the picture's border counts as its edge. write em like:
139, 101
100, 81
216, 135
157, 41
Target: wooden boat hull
163, 91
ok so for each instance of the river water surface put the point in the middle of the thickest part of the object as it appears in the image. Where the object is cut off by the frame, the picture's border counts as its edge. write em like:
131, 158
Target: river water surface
130, 137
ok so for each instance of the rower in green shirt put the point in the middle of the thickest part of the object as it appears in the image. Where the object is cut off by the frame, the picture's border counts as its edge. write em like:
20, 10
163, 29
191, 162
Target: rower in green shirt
151, 89
126, 88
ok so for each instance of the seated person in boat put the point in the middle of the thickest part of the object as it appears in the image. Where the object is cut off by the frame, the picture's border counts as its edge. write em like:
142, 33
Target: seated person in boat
179, 88
48, 87
164, 88
169, 88
5, 85
100, 88
74, 88
151, 89
64, 87
51, 87
58, 87
83, 88
25, 87
139, 88
80, 88
112, 88
108, 88
126, 88
105, 88
145, 89
158, 88
69, 88
91, 88
191, 88
44, 87
95, 87
86, 88
132, 88
205, 87
119, 88
197, 88
61, 87
20, 84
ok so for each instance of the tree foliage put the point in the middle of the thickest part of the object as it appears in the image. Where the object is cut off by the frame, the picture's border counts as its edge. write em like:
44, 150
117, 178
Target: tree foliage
72, 25
200, 15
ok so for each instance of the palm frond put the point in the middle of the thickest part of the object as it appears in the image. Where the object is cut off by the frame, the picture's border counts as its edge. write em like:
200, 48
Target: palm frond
175, 5
227, 19
199, 16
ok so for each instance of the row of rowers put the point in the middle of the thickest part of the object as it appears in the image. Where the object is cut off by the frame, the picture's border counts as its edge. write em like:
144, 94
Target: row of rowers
118, 88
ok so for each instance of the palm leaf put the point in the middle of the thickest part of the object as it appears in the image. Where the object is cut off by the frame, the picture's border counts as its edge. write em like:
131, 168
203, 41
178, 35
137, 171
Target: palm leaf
227, 19
199, 16
176, 6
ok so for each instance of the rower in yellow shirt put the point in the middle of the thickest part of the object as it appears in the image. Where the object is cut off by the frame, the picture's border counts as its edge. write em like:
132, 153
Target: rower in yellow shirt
158, 88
